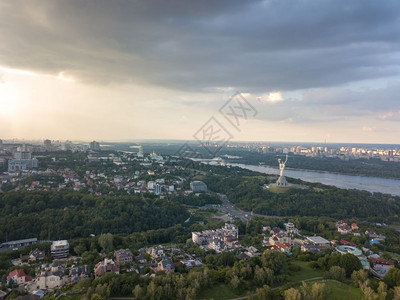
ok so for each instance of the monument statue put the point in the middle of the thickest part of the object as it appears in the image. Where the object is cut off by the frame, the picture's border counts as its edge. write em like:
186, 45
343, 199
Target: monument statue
282, 180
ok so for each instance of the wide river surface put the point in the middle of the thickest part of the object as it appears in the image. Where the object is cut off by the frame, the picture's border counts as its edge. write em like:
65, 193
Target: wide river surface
371, 184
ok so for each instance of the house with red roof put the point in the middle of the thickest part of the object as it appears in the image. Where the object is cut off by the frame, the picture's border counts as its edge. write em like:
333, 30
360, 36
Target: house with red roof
18, 276
344, 242
282, 247
380, 261
165, 265
106, 266
354, 226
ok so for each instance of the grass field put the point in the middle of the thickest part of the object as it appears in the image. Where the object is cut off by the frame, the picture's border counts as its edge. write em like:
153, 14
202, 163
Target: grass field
279, 189
340, 291
218, 291
305, 273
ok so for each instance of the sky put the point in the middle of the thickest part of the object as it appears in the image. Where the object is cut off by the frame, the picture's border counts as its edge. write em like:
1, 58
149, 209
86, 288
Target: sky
126, 70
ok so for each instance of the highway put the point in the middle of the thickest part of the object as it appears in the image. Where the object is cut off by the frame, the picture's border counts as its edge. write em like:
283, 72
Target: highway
229, 208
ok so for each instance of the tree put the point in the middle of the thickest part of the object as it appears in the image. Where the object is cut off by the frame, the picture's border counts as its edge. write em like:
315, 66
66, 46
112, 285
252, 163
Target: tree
276, 261
103, 290
305, 290
359, 277
264, 293
337, 273
392, 278
292, 294
396, 293
152, 290
235, 282
246, 272
369, 293
382, 291
259, 276
106, 242
96, 297
318, 291
79, 249
350, 263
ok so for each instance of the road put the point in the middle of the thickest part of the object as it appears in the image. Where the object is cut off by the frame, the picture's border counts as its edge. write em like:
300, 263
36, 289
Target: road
229, 208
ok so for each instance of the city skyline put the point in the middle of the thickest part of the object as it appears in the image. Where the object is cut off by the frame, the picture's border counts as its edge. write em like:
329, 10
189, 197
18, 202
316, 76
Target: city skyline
126, 71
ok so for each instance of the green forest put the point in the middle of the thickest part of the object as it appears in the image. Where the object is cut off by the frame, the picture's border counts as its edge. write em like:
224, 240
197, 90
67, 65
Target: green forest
50, 215
311, 200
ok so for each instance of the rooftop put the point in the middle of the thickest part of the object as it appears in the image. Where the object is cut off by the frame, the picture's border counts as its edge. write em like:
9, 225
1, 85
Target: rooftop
317, 240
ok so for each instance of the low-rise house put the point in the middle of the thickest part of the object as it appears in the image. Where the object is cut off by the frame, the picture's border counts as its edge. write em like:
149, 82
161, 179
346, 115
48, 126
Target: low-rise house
280, 237
252, 251
344, 242
191, 263
291, 228
376, 236
78, 273
18, 276
36, 255
380, 266
217, 245
222, 239
310, 247
275, 230
123, 256
243, 255
51, 277
22, 260
282, 247
340, 223
344, 229
266, 228
156, 252
380, 261
354, 226
141, 258
265, 242
106, 266
164, 265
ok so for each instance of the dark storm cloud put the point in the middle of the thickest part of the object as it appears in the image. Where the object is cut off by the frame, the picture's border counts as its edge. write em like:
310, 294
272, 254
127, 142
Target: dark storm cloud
198, 45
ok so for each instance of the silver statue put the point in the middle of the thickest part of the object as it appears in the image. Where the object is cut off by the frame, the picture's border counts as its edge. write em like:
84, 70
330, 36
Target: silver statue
282, 180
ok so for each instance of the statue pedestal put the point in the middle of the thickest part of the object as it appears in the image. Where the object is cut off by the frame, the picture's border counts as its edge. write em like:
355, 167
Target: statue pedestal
282, 181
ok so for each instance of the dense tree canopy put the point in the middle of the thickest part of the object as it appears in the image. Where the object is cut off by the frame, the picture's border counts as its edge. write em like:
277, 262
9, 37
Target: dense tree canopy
69, 215
314, 200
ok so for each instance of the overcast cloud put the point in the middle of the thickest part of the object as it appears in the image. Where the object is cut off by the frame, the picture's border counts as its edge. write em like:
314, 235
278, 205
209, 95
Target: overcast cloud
308, 54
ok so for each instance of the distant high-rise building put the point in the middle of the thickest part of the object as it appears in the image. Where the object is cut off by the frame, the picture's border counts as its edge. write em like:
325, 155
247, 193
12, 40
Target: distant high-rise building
22, 161
66, 146
47, 144
95, 146
1, 143
140, 151
198, 187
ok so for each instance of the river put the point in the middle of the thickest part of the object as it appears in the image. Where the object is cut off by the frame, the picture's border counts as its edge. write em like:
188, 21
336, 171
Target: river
371, 184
